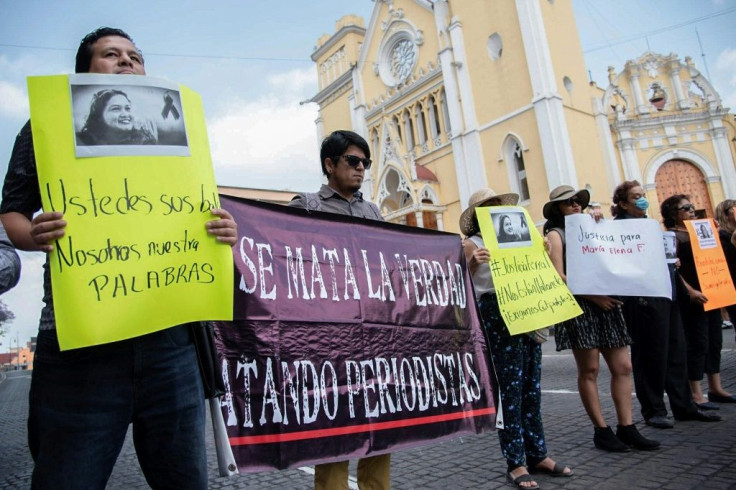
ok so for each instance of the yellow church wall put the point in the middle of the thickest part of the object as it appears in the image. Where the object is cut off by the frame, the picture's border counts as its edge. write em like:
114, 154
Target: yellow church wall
336, 114
493, 140
586, 148
443, 166
501, 86
566, 53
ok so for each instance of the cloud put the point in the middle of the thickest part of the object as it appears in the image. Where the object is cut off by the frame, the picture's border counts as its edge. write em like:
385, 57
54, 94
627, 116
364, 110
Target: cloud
268, 143
725, 77
295, 81
15, 101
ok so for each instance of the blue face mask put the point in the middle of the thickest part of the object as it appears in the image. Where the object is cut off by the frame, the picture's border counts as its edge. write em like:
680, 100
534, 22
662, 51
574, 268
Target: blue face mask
642, 203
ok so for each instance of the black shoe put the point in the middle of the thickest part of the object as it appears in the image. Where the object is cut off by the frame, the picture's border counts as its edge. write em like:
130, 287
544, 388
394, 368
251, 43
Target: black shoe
715, 397
605, 439
700, 416
708, 406
629, 435
660, 422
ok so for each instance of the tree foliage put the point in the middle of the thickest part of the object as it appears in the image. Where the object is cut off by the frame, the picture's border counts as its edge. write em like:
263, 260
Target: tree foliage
6, 316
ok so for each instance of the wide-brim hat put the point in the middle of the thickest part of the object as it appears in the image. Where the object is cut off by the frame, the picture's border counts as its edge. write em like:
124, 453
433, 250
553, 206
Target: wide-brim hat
479, 199
563, 193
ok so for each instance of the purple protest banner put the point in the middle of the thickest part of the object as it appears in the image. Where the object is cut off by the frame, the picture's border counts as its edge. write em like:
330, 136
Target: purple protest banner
350, 338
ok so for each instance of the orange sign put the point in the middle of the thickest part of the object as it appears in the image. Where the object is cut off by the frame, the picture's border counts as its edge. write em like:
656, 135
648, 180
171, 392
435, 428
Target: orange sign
710, 263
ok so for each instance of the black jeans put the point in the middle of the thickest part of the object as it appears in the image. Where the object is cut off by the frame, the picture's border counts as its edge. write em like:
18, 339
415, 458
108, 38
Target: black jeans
83, 400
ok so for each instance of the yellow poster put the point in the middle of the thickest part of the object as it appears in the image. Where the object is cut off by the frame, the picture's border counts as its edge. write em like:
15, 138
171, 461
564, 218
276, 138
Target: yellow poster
126, 159
531, 295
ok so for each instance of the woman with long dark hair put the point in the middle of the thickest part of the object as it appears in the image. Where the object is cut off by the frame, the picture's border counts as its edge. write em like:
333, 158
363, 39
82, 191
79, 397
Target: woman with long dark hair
111, 122
702, 328
600, 330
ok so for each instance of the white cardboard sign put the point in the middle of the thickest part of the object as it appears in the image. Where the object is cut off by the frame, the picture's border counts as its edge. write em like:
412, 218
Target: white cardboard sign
619, 257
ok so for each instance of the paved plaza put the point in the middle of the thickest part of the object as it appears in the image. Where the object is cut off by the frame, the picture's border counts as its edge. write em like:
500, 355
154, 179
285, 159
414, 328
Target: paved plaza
694, 455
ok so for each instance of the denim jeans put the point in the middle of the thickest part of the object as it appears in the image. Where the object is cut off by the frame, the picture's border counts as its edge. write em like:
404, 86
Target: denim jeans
82, 401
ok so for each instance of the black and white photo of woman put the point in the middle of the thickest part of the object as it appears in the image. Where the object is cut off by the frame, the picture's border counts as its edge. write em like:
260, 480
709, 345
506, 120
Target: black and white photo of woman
112, 121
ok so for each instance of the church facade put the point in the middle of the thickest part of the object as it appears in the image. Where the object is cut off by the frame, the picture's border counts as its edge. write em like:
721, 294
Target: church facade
456, 95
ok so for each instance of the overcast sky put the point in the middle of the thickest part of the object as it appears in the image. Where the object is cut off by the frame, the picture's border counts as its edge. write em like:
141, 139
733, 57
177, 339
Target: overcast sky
250, 63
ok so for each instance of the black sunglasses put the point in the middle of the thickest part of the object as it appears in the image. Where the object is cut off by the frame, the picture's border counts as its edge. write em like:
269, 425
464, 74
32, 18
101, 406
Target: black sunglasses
572, 201
687, 207
354, 161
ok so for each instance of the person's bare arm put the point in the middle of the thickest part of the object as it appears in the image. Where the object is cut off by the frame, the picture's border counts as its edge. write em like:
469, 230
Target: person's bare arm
37, 234
475, 256
555, 253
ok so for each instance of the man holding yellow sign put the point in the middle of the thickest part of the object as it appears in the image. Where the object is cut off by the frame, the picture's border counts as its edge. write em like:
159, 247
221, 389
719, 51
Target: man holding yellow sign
82, 400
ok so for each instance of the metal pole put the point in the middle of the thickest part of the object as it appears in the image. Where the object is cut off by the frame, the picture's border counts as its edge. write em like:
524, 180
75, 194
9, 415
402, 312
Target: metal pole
225, 459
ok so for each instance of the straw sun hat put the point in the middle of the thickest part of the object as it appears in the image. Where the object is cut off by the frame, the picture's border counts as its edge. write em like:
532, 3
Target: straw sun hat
479, 199
563, 193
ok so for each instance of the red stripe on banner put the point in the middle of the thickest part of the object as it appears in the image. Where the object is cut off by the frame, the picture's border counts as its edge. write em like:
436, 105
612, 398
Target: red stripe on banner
354, 429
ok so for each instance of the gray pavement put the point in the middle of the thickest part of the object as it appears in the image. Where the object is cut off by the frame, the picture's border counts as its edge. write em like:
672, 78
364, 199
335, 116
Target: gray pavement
694, 455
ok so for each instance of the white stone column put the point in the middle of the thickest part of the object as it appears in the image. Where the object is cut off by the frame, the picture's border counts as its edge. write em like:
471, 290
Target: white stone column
607, 150
454, 109
440, 223
682, 101
641, 107
420, 219
724, 159
557, 152
627, 149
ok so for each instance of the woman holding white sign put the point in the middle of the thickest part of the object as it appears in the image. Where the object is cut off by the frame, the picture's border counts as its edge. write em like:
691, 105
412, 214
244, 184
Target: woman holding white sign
600, 330
703, 334
658, 352
517, 358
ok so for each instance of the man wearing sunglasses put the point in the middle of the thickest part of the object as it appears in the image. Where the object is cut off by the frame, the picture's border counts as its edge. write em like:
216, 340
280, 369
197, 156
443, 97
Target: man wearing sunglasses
345, 157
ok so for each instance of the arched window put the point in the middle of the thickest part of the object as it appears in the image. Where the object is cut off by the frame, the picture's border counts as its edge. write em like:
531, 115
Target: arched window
409, 126
434, 117
421, 123
445, 112
398, 126
374, 144
517, 168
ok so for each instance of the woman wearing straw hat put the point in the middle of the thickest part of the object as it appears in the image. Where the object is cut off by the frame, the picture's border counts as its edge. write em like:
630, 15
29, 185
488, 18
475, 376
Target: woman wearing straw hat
518, 360
600, 330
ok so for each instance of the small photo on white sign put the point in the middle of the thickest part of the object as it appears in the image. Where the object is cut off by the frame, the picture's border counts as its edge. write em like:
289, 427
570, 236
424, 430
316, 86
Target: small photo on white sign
126, 115
704, 232
670, 246
511, 228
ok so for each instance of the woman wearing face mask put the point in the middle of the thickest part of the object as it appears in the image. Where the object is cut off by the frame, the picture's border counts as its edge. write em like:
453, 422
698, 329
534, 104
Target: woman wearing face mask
600, 330
703, 334
658, 353
111, 122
